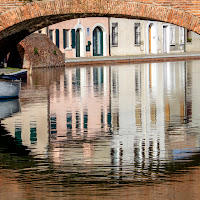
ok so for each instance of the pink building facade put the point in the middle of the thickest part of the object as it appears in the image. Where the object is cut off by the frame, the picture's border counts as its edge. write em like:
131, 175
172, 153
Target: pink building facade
82, 37
76, 110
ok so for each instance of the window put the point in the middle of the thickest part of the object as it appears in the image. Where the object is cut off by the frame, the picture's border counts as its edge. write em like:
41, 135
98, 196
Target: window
18, 134
69, 121
88, 31
51, 34
114, 34
85, 120
33, 133
172, 35
65, 38
73, 38
189, 36
137, 33
57, 38
181, 35
53, 126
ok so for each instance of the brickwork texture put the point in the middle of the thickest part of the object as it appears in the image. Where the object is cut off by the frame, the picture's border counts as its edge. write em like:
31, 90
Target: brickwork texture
37, 50
184, 13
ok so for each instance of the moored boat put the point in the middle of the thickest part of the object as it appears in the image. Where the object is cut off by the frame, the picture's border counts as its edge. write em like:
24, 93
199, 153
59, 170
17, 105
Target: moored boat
9, 86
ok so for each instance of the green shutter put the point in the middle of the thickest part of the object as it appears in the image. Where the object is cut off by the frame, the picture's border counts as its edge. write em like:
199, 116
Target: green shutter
109, 119
73, 35
57, 38
64, 38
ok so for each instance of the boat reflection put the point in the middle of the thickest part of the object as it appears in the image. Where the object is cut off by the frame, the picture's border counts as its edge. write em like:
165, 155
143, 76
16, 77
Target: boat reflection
8, 107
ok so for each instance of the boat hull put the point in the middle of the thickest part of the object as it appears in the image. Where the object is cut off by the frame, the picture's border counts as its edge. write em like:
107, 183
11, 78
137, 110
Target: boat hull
9, 88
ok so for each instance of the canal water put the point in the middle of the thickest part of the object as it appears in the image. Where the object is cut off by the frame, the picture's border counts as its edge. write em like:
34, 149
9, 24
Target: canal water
123, 132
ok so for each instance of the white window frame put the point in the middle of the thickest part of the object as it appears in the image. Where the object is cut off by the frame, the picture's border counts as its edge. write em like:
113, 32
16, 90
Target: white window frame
181, 35
137, 31
114, 34
172, 34
67, 34
51, 35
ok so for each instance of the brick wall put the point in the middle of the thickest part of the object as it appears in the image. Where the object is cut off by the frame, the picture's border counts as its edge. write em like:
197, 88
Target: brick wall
180, 12
7, 5
36, 50
189, 6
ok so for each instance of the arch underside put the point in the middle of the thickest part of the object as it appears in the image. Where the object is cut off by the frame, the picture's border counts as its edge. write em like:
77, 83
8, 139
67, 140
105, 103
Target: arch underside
18, 23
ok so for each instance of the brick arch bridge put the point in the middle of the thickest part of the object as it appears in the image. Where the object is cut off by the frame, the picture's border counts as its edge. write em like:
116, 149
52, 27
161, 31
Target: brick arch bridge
19, 19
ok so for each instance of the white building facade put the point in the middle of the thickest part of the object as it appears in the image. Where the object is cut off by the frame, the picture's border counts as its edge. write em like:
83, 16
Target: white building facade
138, 37
103, 36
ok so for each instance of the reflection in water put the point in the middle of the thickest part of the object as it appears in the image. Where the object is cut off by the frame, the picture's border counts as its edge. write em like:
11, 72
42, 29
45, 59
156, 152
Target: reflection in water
8, 107
12, 152
104, 127
83, 111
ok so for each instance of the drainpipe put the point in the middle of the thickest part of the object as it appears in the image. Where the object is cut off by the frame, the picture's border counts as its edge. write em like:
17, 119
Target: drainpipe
185, 37
109, 36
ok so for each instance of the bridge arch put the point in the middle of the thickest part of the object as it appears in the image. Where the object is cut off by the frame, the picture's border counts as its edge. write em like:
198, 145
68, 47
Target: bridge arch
17, 23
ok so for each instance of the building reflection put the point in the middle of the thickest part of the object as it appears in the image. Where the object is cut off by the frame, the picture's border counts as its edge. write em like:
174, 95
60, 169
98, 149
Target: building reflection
81, 111
144, 107
30, 126
127, 118
82, 108
155, 112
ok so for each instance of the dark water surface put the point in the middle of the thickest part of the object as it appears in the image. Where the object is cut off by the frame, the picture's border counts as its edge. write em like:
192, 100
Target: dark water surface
121, 132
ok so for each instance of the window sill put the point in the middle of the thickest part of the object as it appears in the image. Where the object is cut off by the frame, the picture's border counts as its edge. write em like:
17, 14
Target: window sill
114, 45
68, 49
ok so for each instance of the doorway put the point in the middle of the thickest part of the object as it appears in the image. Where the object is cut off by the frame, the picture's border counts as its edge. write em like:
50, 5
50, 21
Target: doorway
78, 43
150, 25
164, 39
152, 38
97, 42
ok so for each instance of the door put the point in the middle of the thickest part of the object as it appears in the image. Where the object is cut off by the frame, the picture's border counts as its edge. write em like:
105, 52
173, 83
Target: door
97, 42
164, 39
78, 43
150, 38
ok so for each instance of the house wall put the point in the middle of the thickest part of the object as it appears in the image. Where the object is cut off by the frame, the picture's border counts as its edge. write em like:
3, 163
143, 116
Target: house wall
83, 24
126, 38
178, 47
194, 44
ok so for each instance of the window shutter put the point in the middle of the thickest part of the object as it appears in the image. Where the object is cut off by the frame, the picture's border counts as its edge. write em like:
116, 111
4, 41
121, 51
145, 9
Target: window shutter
57, 38
64, 38
73, 35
